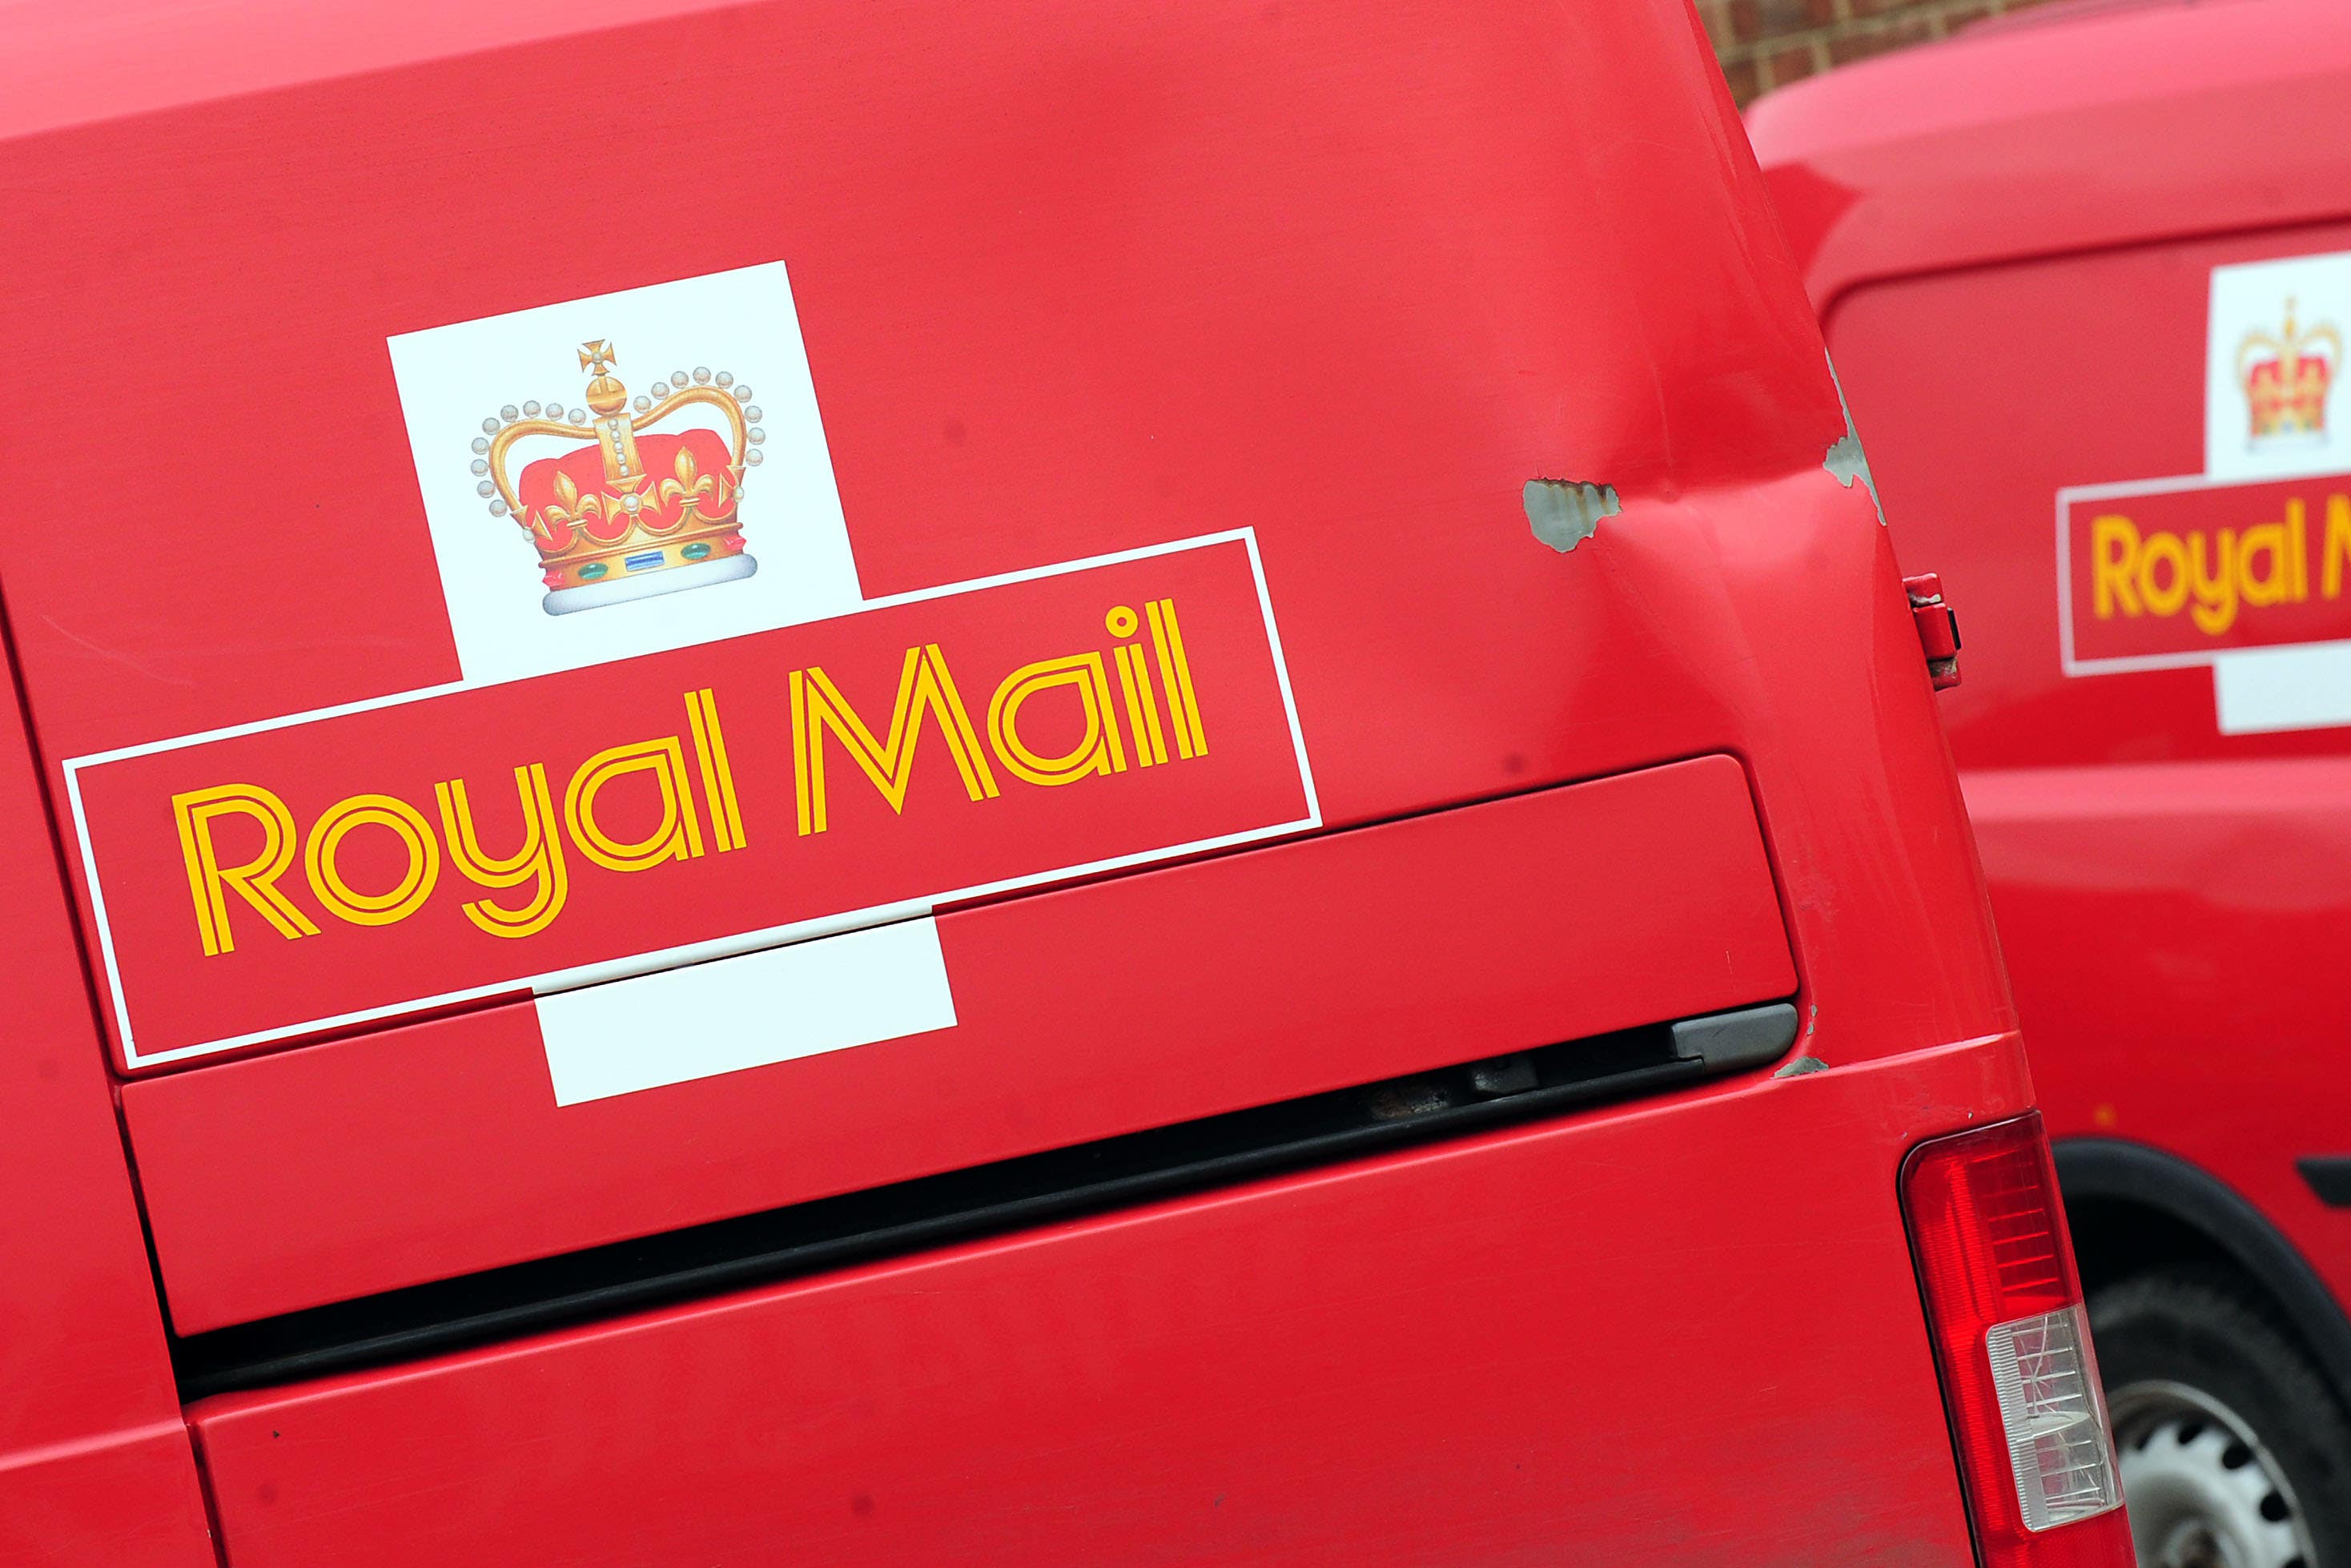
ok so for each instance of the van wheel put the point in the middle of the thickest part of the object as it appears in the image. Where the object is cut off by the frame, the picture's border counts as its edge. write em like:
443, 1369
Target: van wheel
2233, 1452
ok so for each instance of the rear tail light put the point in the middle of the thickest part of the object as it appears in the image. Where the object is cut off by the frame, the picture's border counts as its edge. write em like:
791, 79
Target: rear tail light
2004, 1308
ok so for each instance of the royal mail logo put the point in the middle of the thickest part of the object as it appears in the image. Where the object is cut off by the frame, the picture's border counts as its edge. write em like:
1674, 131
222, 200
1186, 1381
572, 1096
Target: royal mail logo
2177, 571
2286, 375
618, 496
2253, 552
678, 776
331, 870
633, 513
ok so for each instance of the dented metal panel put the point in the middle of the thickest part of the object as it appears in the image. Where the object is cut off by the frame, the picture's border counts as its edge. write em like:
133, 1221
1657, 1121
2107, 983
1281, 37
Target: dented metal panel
1129, 539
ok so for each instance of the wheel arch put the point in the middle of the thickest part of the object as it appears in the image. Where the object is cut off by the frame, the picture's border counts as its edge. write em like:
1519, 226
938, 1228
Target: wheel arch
2133, 1208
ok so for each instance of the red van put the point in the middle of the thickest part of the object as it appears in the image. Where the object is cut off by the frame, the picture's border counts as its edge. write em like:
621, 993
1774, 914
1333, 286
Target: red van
2086, 275
1180, 810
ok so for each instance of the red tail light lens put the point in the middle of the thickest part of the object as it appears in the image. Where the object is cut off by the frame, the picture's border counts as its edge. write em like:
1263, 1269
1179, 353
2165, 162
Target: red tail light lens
2004, 1308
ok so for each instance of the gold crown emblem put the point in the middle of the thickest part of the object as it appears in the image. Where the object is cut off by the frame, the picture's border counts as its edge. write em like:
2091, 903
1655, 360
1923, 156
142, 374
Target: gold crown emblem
2286, 376
635, 512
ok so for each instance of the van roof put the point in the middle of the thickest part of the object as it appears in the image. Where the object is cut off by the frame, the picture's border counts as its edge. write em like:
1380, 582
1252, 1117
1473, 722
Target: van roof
2095, 123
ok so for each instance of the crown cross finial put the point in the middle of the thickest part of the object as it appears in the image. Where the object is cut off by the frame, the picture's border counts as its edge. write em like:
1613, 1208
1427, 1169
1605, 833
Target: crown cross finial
606, 396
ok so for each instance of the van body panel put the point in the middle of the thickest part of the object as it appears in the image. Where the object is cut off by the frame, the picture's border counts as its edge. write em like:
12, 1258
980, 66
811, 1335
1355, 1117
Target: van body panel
2076, 344
1220, 382
1179, 993
2167, 893
95, 1464
1386, 1362
2059, 133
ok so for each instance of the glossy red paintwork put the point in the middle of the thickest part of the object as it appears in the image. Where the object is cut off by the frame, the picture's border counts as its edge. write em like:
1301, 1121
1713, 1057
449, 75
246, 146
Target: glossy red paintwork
1074, 279
1448, 936
2088, 127
1443, 1320
2010, 239
94, 1464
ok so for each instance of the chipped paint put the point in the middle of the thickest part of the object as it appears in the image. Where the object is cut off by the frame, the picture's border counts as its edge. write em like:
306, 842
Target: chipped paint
1846, 461
1800, 1066
1564, 513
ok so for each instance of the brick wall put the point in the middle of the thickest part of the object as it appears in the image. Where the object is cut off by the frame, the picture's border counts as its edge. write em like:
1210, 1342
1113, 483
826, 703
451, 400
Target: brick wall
1764, 43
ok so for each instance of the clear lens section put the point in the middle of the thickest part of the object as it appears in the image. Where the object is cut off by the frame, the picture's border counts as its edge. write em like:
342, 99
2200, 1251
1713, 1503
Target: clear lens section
2054, 1416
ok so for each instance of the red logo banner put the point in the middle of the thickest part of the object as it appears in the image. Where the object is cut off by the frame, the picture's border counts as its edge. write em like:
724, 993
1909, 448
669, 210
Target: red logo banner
2173, 571
319, 872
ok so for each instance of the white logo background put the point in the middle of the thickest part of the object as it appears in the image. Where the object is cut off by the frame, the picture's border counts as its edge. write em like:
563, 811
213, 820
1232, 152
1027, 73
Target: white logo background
2260, 691
2253, 299
452, 378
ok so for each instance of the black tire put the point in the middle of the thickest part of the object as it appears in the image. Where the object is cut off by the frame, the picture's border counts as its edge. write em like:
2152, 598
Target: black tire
2202, 1329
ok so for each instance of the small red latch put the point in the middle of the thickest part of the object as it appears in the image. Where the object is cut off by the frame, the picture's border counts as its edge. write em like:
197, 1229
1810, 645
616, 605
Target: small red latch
1939, 628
